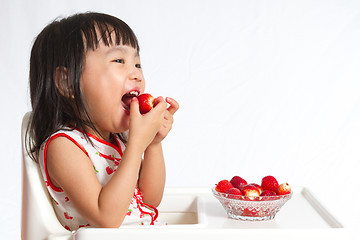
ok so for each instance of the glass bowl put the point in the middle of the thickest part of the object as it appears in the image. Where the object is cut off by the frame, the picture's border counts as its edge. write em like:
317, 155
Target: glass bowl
251, 208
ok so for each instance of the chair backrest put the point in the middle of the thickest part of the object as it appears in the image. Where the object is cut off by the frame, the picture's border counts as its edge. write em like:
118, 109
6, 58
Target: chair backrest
38, 216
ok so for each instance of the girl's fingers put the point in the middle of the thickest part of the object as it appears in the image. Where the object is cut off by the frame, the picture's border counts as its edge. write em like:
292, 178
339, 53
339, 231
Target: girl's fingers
174, 105
159, 105
134, 107
157, 100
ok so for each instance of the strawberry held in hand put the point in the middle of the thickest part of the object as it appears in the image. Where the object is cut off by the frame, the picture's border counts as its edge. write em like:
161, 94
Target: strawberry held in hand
146, 102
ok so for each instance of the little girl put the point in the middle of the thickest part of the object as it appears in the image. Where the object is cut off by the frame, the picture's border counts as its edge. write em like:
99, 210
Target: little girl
101, 160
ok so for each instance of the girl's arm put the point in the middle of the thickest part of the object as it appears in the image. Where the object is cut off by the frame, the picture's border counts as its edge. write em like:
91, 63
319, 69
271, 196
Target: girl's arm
71, 170
152, 173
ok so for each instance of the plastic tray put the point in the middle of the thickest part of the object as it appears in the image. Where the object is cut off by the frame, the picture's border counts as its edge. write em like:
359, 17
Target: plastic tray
196, 214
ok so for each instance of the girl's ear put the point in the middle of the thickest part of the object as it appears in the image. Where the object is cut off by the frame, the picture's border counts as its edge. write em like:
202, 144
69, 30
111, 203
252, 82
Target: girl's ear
62, 82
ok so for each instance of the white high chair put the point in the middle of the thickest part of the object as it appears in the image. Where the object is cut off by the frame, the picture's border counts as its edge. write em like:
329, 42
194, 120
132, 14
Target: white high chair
39, 221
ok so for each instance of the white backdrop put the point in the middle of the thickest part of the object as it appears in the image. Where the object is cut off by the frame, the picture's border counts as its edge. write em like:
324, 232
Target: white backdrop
265, 87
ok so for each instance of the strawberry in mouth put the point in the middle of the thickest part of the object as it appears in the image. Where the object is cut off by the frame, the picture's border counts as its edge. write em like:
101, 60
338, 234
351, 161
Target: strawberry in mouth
126, 98
146, 102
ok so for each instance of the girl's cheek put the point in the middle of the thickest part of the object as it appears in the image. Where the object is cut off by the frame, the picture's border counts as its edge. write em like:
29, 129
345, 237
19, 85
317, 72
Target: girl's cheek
143, 83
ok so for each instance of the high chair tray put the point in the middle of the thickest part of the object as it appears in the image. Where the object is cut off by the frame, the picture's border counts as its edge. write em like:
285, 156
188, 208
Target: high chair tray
194, 213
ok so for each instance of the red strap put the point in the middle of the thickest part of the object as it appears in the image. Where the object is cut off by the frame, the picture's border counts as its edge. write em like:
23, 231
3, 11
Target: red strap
140, 203
153, 218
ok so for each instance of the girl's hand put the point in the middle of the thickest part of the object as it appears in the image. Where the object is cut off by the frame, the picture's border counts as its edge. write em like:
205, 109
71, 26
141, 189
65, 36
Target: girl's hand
144, 128
168, 120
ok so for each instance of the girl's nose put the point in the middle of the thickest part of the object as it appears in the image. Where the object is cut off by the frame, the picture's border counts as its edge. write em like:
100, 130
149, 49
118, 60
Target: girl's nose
136, 75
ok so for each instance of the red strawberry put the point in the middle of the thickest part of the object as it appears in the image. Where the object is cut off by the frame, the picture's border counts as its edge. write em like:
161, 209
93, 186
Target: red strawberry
146, 102
250, 212
109, 170
235, 192
129, 212
268, 193
67, 216
238, 182
269, 183
284, 189
257, 186
251, 190
223, 186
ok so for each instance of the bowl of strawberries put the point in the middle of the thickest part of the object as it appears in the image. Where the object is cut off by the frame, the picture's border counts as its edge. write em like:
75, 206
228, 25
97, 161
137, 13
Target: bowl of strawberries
252, 202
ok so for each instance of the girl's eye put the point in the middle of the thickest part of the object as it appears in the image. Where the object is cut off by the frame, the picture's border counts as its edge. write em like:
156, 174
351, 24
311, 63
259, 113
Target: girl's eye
138, 65
119, 60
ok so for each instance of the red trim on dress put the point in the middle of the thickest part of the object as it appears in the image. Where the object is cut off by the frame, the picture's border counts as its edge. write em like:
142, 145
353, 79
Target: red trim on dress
117, 148
45, 149
111, 158
139, 201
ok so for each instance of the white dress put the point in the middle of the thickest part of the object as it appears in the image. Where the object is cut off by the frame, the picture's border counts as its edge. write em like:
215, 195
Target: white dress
105, 158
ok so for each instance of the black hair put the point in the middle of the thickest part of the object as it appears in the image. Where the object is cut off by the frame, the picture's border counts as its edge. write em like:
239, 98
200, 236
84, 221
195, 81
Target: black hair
56, 62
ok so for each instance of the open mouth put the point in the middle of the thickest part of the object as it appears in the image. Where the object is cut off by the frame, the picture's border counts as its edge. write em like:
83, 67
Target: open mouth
126, 99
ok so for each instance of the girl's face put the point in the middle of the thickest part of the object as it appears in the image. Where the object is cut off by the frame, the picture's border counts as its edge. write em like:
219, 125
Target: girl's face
111, 76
